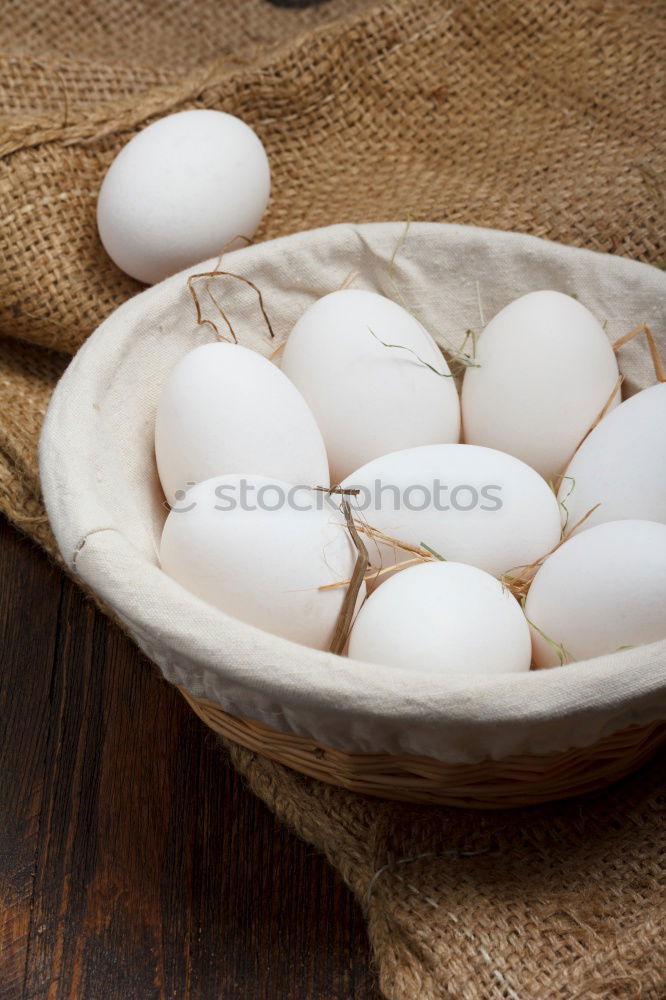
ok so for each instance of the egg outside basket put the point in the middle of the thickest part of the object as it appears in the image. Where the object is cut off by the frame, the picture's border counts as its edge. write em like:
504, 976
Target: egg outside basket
510, 740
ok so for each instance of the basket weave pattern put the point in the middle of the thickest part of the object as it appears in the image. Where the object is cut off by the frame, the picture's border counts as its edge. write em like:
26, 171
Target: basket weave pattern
489, 784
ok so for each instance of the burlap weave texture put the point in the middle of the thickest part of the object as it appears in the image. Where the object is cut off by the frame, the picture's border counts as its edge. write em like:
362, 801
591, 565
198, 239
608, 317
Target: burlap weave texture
544, 116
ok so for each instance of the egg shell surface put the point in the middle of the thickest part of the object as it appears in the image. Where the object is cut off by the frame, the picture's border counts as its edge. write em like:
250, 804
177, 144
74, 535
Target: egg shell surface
240, 544
600, 591
445, 618
621, 465
546, 370
224, 409
470, 504
361, 362
180, 191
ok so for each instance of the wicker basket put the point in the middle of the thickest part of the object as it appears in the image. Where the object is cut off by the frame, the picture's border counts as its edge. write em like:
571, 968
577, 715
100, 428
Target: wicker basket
550, 734
489, 784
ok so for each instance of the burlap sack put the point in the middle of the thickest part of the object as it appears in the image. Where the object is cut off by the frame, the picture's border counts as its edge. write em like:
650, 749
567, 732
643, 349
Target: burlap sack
533, 116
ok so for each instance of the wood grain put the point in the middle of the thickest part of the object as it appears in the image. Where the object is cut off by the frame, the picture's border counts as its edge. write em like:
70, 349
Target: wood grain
133, 862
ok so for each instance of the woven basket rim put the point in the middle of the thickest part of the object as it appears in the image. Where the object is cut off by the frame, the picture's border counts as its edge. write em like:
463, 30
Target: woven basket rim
510, 782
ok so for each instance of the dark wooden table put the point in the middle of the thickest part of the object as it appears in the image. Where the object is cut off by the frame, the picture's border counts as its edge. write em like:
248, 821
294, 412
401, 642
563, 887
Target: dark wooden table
134, 864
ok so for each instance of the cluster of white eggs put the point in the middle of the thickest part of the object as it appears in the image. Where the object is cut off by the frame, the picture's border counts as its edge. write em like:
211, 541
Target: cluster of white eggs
365, 403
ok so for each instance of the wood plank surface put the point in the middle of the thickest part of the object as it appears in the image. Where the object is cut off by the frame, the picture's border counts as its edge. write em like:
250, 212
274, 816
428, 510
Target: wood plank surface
134, 864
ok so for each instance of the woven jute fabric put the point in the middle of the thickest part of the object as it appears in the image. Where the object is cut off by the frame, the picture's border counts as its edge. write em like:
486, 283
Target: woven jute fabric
545, 117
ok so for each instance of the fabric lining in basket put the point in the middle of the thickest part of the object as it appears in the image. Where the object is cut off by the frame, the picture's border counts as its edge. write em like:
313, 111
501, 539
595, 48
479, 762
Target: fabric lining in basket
106, 508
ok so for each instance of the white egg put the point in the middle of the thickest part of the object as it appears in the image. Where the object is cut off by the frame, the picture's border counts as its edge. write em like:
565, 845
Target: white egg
444, 618
181, 190
361, 361
546, 371
470, 504
621, 465
600, 591
227, 409
259, 549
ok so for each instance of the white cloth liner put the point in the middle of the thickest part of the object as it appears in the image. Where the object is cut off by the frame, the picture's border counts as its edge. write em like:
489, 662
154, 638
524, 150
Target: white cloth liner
106, 508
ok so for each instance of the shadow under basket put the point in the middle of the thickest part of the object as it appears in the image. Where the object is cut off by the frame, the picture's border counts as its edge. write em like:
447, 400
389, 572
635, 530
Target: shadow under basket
489, 784
499, 740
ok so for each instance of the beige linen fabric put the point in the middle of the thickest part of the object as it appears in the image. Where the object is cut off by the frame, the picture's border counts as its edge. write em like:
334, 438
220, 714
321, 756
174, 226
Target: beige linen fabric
542, 116
532, 116
106, 509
